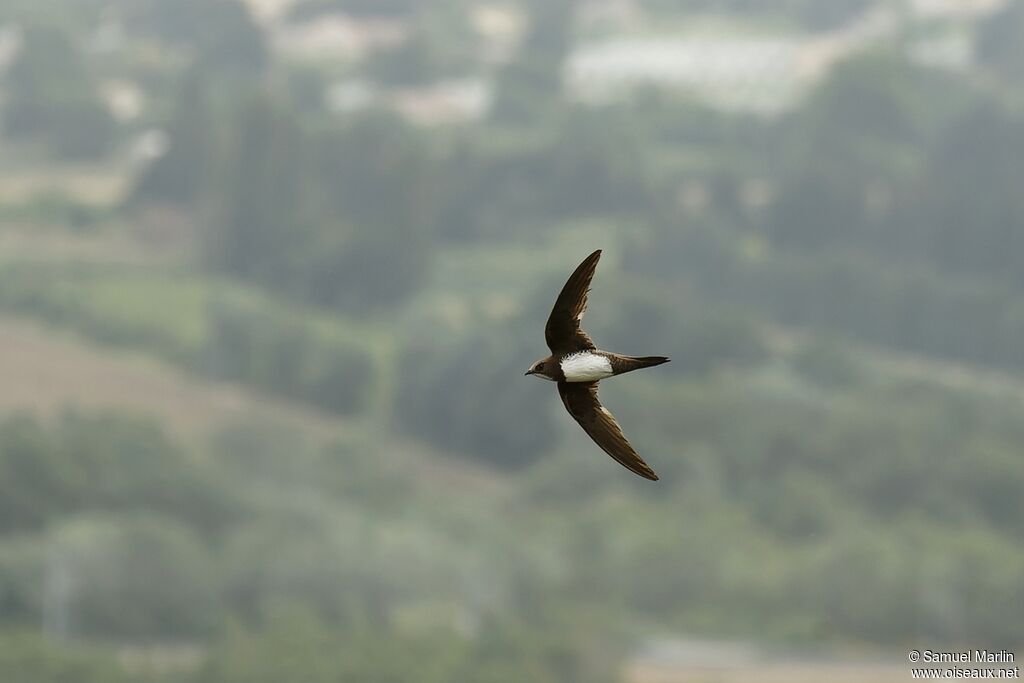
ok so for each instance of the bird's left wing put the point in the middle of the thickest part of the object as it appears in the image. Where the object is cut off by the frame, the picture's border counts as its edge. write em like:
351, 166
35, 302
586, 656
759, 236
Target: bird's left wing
581, 401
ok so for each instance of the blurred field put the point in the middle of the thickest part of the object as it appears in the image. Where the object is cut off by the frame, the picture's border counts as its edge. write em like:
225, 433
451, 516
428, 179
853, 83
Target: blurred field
46, 372
271, 272
98, 184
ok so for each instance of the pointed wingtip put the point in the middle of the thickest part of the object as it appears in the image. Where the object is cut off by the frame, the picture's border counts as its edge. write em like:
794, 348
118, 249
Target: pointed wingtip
644, 470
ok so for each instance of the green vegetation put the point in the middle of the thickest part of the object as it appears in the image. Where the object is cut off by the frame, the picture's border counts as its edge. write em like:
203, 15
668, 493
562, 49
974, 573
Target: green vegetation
51, 97
997, 47
839, 434
30, 657
220, 33
357, 8
207, 327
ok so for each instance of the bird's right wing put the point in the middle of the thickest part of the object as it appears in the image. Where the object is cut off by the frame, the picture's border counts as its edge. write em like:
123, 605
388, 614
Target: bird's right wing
562, 332
581, 401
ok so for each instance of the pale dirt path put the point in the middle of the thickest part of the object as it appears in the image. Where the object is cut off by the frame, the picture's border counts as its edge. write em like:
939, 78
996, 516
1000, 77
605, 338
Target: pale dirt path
774, 672
44, 371
915, 367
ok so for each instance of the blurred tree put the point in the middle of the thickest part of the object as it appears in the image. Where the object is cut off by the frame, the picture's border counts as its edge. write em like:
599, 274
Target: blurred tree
29, 656
581, 163
184, 173
815, 15
52, 97
529, 88
22, 559
433, 51
101, 463
264, 211
296, 646
221, 33
826, 16
136, 578
970, 214
121, 462
304, 86
33, 480
857, 135
700, 338
867, 100
379, 177
67, 14
816, 211
999, 46
341, 217
269, 349
440, 400
596, 165
827, 362
312, 9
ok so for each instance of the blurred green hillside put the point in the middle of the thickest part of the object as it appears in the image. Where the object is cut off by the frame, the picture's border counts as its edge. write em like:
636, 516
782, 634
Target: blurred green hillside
270, 274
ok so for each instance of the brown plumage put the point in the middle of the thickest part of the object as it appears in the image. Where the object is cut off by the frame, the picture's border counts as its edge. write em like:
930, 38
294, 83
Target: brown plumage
582, 403
577, 366
562, 332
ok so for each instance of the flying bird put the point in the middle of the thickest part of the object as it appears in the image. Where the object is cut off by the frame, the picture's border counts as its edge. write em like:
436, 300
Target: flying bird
577, 366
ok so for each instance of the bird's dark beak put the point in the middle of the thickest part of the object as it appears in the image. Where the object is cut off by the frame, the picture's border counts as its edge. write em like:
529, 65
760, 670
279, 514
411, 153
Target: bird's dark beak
528, 372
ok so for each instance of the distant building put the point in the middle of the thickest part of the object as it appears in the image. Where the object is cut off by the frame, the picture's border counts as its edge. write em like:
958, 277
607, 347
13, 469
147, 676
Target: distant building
738, 71
124, 99
955, 8
609, 14
441, 103
337, 36
268, 11
446, 102
10, 42
760, 74
500, 26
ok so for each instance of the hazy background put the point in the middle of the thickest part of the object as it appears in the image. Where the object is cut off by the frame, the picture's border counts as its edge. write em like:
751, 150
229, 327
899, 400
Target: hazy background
271, 272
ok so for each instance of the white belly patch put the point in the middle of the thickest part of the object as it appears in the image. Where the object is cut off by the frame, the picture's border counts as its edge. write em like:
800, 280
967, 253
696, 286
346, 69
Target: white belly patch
585, 367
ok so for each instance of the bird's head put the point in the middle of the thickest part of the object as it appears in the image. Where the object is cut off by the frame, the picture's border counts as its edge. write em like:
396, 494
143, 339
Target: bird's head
544, 368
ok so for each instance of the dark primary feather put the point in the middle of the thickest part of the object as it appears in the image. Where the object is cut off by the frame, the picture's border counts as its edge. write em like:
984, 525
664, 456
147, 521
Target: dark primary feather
581, 401
563, 333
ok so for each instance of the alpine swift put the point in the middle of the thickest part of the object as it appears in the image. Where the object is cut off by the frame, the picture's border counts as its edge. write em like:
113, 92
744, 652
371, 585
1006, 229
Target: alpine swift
577, 365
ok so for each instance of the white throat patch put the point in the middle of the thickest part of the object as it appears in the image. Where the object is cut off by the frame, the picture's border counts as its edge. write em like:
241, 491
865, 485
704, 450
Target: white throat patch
585, 367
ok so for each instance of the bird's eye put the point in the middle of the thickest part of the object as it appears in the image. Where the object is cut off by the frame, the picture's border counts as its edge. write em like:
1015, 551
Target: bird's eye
540, 366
